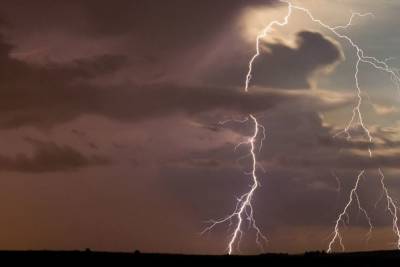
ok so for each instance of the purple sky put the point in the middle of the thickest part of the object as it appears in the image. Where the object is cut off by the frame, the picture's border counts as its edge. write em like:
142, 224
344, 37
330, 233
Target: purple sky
109, 130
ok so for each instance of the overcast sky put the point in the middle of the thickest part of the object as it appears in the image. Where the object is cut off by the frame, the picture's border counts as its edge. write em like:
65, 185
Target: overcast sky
109, 130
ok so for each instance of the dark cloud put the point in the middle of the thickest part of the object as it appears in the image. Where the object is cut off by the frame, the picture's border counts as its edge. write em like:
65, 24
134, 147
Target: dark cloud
153, 28
53, 94
125, 16
47, 94
344, 161
78, 133
282, 66
49, 157
179, 20
339, 152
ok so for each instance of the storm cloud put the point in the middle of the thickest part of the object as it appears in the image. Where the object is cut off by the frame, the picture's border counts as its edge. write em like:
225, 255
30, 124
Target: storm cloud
285, 66
49, 157
57, 93
113, 107
281, 66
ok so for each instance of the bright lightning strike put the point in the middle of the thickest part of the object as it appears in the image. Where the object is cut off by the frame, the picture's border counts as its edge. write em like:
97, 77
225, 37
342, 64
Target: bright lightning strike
392, 208
244, 203
337, 236
244, 209
357, 115
350, 23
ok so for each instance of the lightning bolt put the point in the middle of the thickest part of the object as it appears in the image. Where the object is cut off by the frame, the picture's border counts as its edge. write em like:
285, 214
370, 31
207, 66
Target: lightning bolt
357, 115
392, 208
244, 209
244, 203
344, 215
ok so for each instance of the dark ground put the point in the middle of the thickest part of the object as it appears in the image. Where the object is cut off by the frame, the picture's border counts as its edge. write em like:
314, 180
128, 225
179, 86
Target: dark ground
77, 258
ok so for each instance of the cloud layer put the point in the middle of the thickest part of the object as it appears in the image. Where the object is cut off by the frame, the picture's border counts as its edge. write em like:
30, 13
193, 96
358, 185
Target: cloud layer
143, 85
49, 157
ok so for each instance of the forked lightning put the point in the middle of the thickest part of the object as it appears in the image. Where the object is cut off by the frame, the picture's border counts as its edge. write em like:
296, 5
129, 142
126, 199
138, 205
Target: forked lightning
244, 208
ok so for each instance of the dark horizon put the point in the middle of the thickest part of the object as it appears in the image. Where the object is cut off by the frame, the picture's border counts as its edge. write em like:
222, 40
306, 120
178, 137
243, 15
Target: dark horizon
308, 259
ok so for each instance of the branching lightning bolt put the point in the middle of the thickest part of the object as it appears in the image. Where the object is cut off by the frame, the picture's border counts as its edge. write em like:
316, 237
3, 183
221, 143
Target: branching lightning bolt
244, 209
391, 207
357, 114
244, 203
344, 215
